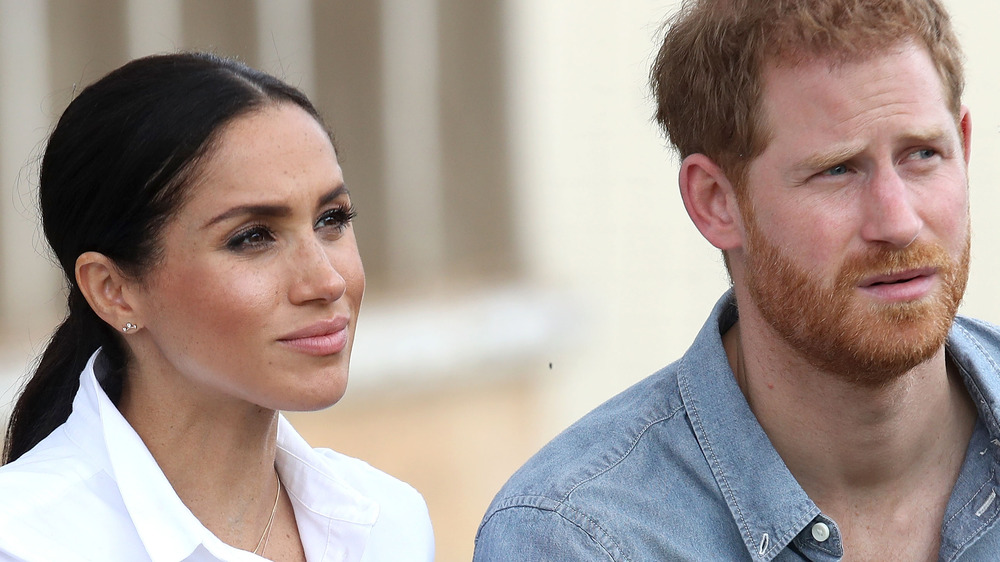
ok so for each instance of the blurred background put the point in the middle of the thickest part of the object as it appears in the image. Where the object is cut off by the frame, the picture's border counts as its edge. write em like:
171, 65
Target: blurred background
527, 252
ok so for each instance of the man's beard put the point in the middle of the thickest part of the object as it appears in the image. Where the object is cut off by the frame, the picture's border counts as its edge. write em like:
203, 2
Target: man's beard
866, 343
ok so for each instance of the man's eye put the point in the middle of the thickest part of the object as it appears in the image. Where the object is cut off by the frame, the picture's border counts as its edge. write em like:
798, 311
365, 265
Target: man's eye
838, 170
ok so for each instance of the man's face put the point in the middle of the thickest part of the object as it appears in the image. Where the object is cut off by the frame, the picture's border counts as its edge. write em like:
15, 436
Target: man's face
856, 226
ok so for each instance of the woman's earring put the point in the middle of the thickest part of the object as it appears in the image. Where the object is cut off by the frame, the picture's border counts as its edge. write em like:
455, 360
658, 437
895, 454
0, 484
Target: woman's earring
128, 327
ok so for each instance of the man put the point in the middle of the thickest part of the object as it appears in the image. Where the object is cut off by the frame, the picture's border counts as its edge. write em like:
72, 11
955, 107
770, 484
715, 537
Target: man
832, 406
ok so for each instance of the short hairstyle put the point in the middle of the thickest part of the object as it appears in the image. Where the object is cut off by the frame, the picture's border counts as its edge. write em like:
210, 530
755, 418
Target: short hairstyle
707, 78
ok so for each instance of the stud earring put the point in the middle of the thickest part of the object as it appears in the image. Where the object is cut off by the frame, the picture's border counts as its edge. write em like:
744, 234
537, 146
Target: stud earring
128, 327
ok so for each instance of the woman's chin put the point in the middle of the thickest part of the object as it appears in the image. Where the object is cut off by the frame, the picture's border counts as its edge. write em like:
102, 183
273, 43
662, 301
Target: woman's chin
316, 398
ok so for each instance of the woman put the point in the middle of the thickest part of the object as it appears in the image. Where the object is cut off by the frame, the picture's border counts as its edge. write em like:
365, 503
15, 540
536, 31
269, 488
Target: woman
199, 213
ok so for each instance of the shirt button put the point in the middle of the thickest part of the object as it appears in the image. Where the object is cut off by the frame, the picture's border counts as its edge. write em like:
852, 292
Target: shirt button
820, 532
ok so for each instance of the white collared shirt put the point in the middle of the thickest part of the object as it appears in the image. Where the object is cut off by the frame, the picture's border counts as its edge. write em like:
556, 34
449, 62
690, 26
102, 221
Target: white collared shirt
92, 491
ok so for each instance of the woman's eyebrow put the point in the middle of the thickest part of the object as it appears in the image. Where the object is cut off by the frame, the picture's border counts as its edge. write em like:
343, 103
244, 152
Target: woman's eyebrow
333, 194
267, 210
250, 210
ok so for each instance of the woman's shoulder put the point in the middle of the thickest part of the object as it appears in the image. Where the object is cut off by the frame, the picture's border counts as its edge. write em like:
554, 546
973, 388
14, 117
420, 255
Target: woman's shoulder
372, 482
337, 470
47, 472
403, 529
56, 500
53, 478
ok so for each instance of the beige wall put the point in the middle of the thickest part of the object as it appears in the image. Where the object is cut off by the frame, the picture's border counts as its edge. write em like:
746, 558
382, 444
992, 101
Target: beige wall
604, 219
526, 247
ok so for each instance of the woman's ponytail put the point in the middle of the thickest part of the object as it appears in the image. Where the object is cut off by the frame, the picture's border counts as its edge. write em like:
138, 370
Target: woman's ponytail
47, 398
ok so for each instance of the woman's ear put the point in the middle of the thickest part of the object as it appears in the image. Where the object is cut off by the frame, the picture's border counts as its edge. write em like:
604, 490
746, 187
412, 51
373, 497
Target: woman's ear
106, 289
710, 201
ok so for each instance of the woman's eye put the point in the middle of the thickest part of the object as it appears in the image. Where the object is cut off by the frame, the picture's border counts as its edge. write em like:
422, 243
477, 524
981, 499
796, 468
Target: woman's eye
250, 238
337, 218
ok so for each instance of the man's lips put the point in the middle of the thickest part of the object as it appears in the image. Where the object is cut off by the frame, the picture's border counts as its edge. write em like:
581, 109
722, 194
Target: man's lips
897, 278
322, 338
905, 286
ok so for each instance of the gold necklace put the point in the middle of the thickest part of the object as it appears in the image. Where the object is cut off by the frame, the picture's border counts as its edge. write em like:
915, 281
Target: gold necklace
262, 543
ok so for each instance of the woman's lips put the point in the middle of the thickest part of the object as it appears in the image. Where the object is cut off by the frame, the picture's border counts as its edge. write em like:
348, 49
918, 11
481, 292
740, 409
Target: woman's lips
327, 337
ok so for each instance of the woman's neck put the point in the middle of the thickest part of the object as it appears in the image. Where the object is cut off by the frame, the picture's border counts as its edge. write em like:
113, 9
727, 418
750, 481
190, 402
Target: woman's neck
218, 454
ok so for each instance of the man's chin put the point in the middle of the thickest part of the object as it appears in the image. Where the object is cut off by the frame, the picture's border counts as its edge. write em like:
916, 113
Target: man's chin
874, 344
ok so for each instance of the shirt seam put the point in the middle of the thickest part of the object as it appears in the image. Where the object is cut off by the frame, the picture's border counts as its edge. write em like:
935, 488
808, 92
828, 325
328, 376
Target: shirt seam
525, 502
624, 455
819, 546
973, 536
971, 499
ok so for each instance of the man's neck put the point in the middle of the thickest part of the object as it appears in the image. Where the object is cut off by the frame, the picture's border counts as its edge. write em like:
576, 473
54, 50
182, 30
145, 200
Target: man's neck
861, 454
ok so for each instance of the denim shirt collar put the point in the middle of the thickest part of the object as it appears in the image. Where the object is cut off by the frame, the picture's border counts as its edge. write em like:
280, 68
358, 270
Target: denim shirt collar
969, 349
769, 506
973, 507
767, 503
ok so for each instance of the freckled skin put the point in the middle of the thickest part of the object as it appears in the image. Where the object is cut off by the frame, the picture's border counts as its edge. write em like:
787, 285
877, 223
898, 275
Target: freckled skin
864, 175
818, 220
214, 310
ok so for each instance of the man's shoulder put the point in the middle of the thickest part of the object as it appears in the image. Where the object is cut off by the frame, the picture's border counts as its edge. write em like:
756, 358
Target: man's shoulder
606, 483
633, 479
982, 331
600, 440
975, 345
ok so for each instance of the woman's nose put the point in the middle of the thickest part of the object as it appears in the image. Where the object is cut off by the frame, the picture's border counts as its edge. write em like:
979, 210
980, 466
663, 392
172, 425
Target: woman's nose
315, 274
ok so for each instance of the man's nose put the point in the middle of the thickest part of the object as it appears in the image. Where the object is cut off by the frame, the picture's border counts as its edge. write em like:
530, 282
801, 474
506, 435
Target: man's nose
889, 214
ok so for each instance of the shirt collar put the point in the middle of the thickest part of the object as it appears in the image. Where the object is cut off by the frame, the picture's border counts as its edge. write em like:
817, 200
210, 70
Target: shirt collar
339, 517
766, 501
973, 507
972, 347
167, 528
334, 519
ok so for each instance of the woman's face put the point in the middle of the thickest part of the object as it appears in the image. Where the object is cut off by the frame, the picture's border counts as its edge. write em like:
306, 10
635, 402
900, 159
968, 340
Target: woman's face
257, 293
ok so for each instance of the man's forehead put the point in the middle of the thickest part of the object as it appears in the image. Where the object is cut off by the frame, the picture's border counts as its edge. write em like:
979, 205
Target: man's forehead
800, 56
806, 82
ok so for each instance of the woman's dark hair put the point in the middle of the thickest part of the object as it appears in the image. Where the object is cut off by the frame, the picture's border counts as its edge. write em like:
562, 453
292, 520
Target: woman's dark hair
114, 172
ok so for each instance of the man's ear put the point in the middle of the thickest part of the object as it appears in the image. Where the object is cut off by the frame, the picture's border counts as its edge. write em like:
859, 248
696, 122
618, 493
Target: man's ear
105, 288
965, 128
710, 201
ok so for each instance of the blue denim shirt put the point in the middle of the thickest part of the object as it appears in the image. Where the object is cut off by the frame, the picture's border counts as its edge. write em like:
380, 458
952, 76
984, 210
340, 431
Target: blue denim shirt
677, 468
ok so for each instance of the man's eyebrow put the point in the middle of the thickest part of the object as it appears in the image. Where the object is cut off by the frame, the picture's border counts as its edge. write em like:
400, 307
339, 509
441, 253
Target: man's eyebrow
827, 160
932, 135
265, 210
